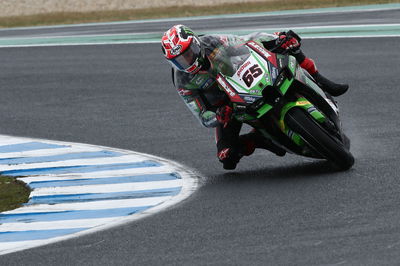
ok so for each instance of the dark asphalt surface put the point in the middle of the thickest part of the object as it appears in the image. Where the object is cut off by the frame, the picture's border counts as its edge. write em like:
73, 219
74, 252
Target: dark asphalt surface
270, 211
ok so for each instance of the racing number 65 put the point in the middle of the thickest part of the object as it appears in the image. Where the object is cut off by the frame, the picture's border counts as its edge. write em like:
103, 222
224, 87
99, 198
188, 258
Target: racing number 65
252, 73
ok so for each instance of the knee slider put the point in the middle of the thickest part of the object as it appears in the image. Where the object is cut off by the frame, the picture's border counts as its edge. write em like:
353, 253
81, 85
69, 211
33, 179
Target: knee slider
227, 155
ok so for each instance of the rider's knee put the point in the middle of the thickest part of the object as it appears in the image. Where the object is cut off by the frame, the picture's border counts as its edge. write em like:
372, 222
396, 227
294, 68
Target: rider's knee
229, 158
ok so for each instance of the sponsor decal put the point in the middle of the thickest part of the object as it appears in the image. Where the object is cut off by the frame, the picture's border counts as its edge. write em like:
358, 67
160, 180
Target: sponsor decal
193, 106
311, 109
263, 52
239, 72
279, 81
281, 62
203, 81
229, 90
249, 99
199, 104
259, 49
274, 73
193, 67
302, 103
184, 92
199, 79
176, 50
225, 86
207, 84
186, 33
223, 154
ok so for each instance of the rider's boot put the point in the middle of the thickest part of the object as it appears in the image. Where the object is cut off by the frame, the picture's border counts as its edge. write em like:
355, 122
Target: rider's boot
328, 86
269, 145
254, 140
230, 157
230, 164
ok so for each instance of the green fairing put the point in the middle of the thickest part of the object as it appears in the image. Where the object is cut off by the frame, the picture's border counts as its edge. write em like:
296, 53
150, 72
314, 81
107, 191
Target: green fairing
285, 86
263, 110
266, 80
292, 67
227, 70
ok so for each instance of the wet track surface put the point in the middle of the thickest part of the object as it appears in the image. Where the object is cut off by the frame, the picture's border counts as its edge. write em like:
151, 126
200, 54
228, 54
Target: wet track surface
270, 210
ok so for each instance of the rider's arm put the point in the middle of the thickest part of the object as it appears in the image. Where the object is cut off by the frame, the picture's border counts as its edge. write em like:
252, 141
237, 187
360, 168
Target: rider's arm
195, 103
269, 41
266, 39
194, 100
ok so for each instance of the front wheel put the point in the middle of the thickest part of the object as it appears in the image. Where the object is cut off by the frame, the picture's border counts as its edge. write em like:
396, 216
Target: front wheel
318, 138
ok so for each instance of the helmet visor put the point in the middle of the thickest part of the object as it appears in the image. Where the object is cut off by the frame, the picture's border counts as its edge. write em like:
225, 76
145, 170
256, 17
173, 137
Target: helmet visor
188, 58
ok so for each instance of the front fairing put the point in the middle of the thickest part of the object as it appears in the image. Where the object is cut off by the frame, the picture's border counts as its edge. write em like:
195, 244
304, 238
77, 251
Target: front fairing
246, 73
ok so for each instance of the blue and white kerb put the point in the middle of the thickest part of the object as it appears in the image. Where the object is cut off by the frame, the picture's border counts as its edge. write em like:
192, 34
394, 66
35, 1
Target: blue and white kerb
80, 188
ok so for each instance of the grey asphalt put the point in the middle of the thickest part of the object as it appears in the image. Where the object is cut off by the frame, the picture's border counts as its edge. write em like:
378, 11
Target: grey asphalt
270, 211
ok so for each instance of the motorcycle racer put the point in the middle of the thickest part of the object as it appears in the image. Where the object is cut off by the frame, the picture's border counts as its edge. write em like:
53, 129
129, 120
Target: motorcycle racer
194, 72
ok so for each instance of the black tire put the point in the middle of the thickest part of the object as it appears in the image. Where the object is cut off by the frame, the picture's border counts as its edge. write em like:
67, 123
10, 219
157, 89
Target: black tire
318, 138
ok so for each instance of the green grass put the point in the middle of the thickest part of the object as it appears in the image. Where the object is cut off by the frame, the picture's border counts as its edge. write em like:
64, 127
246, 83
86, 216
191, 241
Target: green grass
182, 11
12, 193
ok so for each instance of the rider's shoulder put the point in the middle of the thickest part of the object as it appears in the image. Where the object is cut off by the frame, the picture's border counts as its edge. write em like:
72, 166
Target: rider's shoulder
215, 40
210, 40
191, 81
182, 79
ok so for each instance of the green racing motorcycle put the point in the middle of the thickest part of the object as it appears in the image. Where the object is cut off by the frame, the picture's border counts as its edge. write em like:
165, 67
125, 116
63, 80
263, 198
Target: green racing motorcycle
274, 95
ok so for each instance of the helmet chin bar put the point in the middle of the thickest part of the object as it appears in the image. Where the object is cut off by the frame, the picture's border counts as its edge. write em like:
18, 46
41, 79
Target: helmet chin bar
193, 69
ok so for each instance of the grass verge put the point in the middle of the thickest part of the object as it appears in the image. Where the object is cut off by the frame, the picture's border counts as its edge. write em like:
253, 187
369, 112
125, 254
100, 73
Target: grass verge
178, 11
12, 193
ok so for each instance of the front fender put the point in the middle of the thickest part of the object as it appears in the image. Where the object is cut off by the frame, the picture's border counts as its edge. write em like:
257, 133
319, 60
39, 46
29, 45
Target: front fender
308, 107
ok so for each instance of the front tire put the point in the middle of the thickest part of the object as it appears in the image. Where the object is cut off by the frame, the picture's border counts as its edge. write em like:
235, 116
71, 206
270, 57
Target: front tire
319, 139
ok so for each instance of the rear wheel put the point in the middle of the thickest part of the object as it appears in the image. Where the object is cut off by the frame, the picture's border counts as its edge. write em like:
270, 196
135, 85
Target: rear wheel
318, 138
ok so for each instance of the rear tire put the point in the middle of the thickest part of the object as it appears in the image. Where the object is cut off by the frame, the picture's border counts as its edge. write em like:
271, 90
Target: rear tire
319, 139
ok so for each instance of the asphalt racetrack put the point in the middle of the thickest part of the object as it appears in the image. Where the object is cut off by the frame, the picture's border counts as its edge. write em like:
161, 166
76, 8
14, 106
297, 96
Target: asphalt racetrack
276, 211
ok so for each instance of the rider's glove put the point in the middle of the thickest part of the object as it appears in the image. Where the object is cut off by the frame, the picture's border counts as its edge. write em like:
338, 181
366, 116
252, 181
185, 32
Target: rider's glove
288, 41
224, 114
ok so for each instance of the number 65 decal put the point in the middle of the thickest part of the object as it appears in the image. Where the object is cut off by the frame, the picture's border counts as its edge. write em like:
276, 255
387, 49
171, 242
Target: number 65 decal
252, 73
